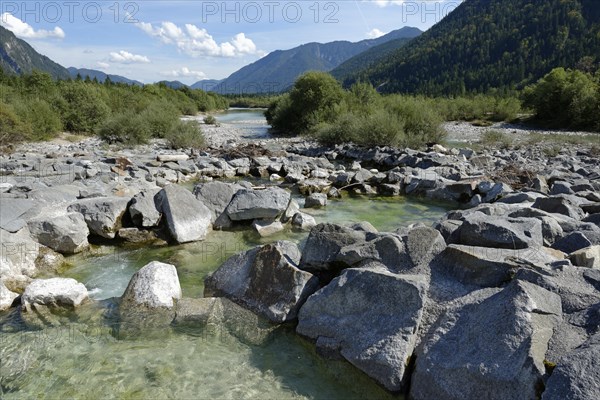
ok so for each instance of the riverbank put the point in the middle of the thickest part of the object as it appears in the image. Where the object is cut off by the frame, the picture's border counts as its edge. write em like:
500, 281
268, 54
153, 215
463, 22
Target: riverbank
515, 265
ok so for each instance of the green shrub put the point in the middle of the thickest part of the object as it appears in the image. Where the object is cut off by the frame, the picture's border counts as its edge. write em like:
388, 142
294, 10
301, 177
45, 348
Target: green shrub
43, 120
126, 128
160, 118
186, 135
210, 120
12, 129
83, 109
422, 123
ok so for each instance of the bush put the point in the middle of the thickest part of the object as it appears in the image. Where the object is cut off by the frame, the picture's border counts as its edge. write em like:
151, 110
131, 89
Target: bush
210, 120
126, 128
43, 120
185, 135
422, 123
83, 109
160, 118
566, 99
12, 128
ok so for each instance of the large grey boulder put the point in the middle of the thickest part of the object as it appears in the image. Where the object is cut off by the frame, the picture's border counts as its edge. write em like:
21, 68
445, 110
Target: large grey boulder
386, 248
248, 204
188, 219
370, 317
577, 375
316, 200
156, 285
491, 350
323, 245
143, 211
572, 242
64, 233
487, 267
6, 297
505, 233
103, 215
216, 195
54, 292
423, 244
265, 280
559, 205
11, 213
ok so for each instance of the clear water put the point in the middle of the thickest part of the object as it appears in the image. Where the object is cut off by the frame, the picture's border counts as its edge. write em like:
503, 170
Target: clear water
84, 358
242, 116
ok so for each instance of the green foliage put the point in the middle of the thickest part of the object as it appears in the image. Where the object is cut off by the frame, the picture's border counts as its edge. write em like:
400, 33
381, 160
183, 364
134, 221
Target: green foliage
12, 129
186, 135
160, 117
83, 107
566, 99
496, 138
479, 107
318, 106
43, 120
126, 128
210, 120
491, 44
310, 102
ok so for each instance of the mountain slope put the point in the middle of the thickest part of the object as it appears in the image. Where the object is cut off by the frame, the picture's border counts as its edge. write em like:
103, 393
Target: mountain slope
206, 84
367, 58
278, 70
100, 76
18, 57
486, 44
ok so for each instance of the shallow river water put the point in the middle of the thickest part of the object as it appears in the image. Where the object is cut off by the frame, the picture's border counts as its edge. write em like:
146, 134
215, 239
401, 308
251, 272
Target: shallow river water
84, 357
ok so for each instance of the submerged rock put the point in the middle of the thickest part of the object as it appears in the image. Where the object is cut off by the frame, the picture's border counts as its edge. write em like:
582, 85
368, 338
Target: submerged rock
267, 228
370, 317
265, 280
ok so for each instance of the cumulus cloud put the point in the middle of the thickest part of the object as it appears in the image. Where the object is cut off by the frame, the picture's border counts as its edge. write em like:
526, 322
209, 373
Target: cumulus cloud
184, 72
375, 33
195, 41
103, 64
124, 57
24, 30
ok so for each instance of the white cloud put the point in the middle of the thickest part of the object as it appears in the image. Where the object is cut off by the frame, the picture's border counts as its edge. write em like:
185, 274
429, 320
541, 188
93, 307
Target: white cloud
124, 57
103, 64
196, 41
24, 30
184, 72
375, 33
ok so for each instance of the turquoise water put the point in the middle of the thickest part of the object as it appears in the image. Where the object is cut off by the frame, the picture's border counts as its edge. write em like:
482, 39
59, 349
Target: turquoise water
83, 358
242, 116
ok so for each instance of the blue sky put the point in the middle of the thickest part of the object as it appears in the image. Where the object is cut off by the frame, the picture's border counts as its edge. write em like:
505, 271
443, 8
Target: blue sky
194, 40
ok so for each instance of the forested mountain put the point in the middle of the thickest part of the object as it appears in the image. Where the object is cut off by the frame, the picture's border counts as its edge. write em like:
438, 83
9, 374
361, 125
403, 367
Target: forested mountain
18, 57
486, 44
278, 70
206, 84
100, 76
368, 58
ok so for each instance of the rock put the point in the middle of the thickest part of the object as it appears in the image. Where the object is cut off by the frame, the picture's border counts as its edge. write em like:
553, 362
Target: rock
370, 317
172, 157
577, 375
497, 191
491, 350
423, 244
559, 205
449, 230
143, 211
387, 249
188, 219
54, 292
316, 200
293, 209
265, 280
156, 285
363, 226
11, 213
486, 267
323, 245
216, 196
539, 183
506, 233
572, 242
303, 221
310, 186
19, 255
559, 187
103, 215
588, 257
249, 204
135, 235
64, 233
362, 175
267, 228
7, 297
